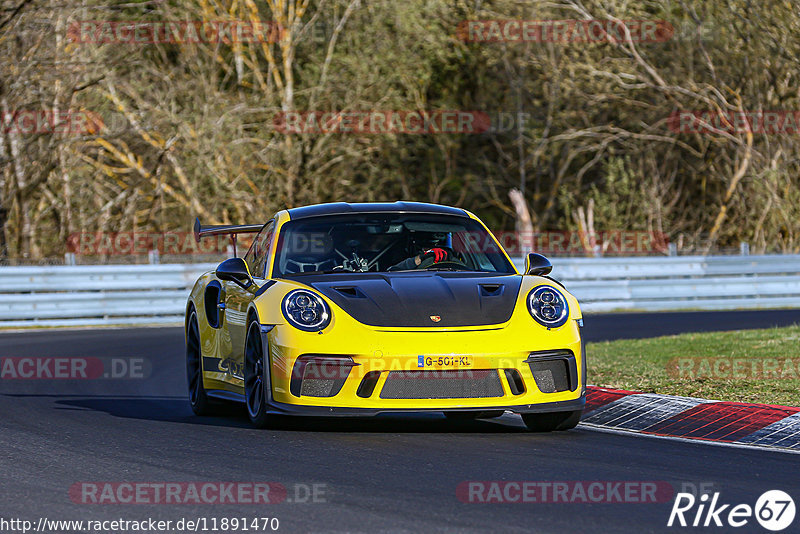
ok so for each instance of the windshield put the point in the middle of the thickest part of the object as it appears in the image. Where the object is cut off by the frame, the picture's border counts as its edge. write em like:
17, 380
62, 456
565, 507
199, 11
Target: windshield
387, 242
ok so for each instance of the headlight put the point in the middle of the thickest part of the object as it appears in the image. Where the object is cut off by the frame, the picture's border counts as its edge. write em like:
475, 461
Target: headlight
548, 306
305, 310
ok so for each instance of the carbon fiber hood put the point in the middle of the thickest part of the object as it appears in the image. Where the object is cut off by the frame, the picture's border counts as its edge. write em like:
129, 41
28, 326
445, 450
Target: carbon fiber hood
418, 299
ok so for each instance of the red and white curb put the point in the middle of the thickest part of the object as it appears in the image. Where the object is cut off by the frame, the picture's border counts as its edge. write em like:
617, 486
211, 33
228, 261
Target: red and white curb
691, 418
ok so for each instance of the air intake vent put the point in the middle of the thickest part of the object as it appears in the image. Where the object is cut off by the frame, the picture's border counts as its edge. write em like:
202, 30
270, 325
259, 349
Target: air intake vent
464, 384
212, 303
319, 375
554, 371
350, 292
515, 383
368, 384
320, 387
491, 290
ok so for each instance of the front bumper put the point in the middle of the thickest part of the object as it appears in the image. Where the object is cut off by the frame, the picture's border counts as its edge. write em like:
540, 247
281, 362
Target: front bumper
301, 410
504, 357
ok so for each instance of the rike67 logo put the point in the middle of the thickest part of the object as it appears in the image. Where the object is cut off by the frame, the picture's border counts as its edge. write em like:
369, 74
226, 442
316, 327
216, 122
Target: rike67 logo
774, 510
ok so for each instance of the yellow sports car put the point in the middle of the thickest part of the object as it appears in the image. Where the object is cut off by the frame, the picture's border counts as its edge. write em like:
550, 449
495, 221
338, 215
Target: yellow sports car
360, 309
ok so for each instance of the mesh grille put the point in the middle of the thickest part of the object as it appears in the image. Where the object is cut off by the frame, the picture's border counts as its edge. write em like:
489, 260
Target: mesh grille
322, 380
442, 384
550, 375
316, 388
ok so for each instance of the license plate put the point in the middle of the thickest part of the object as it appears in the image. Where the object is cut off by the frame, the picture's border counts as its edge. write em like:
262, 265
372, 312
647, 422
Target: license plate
444, 361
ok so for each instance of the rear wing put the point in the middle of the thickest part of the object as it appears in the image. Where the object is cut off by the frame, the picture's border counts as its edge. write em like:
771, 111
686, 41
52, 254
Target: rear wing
203, 230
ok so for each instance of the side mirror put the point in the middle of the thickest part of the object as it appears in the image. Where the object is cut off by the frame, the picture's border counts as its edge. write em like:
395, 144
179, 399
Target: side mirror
234, 270
538, 265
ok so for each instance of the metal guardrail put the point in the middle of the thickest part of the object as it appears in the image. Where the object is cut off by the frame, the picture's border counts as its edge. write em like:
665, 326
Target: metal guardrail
153, 294
96, 294
683, 282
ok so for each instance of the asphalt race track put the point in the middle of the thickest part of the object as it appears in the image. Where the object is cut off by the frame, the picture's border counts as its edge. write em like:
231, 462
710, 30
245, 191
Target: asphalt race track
609, 326
387, 474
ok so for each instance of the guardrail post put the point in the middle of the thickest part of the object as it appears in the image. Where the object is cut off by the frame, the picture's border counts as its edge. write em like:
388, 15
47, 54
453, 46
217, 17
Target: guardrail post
744, 249
673, 249
152, 257
69, 258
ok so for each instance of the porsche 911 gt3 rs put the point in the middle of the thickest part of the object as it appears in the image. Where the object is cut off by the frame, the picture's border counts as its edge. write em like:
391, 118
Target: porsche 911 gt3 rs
360, 309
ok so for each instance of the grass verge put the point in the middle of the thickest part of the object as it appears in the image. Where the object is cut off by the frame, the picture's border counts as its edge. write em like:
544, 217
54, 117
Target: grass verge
760, 366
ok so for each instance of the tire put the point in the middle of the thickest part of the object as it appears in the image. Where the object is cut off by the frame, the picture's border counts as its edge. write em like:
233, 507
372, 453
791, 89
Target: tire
198, 399
256, 378
467, 416
548, 422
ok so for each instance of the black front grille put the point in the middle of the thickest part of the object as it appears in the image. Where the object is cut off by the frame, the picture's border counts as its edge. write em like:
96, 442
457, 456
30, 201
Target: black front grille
554, 371
319, 376
442, 384
320, 387
550, 376
322, 380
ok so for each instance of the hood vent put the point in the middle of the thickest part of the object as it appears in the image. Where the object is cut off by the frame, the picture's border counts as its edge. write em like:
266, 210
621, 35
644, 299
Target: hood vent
350, 292
491, 290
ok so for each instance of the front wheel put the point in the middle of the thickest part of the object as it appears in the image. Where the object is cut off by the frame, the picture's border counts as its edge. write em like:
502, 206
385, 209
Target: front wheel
201, 405
256, 377
548, 422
